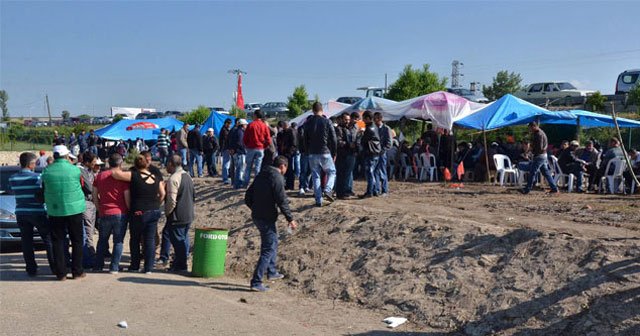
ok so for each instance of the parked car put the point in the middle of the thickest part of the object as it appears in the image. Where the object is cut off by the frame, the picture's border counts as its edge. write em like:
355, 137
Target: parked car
348, 100
9, 230
273, 109
473, 96
123, 116
627, 80
562, 92
250, 108
173, 114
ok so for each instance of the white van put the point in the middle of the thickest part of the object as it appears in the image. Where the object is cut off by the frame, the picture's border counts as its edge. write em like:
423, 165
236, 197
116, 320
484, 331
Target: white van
627, 80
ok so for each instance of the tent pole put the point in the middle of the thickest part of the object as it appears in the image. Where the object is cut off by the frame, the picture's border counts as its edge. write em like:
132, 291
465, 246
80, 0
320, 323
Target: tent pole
486, 155
624, 150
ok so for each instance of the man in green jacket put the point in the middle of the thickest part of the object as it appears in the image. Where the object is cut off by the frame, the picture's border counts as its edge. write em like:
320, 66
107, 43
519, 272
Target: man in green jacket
65, 203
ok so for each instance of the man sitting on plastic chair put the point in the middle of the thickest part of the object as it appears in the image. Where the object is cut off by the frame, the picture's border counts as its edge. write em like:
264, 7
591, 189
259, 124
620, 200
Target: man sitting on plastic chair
570, 164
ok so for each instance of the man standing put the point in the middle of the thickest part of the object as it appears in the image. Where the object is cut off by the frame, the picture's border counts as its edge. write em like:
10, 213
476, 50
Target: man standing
112, 198
92, 141
346, 157
540, 162
210, 146
42, 161
238, 152
265, 195
570, 164
65, 204
256, 138
194, 141
30, 212
163, 146
288, 146
181, 141
82, 141
224, 148
371, 149
321, 144
305, 172
89, 215
179, 210
382, 179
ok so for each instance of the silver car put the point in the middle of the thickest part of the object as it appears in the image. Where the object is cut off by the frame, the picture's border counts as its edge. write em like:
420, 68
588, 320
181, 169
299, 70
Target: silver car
9, 230
274, 109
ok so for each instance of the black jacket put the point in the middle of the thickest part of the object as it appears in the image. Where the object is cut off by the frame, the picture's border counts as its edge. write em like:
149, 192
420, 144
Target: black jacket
209, 144
194, 140
224, 138
347, 136
371, 141
266, 194
319, 136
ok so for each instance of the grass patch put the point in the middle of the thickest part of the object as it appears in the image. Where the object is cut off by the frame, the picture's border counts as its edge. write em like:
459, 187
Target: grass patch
18, 146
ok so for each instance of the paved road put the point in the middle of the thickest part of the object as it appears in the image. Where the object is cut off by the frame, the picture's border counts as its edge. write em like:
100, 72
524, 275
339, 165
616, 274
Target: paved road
164, 304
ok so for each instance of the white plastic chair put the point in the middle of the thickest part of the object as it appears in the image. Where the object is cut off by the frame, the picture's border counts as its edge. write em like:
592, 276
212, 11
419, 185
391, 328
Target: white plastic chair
432, 168
504, 170
405, 166
613, 172
427, 167
419, 166
561, 179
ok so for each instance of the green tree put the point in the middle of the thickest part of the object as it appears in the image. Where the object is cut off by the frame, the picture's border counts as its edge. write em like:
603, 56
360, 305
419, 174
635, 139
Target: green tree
595, 102
4, 97
298, 102
415, 82
238, 112
65, 115
197, 116
634, 97
117, 118
84, 118
503, 83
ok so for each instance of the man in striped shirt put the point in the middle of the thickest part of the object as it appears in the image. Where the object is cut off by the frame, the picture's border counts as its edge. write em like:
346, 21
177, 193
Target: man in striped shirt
163, 146
30, 211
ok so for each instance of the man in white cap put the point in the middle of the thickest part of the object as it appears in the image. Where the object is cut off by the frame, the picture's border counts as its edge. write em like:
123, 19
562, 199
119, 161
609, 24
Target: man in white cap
210, 146
238, 152
65, 202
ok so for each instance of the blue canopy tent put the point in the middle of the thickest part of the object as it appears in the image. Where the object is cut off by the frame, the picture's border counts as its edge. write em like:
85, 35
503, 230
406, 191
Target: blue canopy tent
216, 121
510, 111
591, 119
133, 129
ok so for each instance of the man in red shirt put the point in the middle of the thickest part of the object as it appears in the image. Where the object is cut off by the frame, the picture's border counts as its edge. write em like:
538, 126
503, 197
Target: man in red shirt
256, 138
112, 200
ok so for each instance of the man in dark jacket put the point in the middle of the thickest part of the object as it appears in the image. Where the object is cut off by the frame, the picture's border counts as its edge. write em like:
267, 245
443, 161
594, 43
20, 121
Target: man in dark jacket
371, 149
238, 152
346, 158
384, 131
210, 146
321, 145
194, 141
224, 149
571, 164
539, 162
287, 141
265, 195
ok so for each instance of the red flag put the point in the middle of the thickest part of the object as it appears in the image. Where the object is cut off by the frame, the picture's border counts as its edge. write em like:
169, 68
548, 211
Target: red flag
239, 98
460, 171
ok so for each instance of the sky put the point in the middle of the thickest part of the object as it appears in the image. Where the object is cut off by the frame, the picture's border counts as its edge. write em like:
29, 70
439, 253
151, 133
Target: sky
89, 56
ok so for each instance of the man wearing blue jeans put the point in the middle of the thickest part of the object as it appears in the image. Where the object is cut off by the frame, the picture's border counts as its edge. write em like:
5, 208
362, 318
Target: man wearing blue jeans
196, 150
265, 195
384, 131
540, 161
183, 145
224, 149
321, 145
371, 150
238, 152
256, 138
179, 210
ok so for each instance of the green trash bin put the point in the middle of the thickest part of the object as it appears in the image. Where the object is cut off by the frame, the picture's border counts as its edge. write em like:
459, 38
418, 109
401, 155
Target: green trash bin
209, 252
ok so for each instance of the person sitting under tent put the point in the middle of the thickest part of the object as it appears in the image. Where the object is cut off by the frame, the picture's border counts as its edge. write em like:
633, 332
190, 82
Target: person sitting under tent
613, 152
591, 156
571, 164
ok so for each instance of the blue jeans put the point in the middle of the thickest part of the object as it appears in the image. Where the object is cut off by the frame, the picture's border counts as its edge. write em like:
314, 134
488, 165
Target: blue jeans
370, 165
93, 149
195, 157
226, 164
210, 160
184, 155
382, 180
319, 163
165, 245
254, 158
296, 164
305, 172
344, 175
540, 163
27, 223
115, 225
143, 228
239, 161
290, 176
179, 237
268, 250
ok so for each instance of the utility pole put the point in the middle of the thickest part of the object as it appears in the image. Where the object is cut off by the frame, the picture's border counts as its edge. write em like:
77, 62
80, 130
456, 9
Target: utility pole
46, 98
455, 73
238, 73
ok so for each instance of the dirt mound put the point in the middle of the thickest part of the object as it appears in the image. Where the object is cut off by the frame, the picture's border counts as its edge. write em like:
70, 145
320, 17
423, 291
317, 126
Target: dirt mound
457, 267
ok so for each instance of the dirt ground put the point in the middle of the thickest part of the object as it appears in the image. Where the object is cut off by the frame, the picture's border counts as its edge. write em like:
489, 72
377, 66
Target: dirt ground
480, 260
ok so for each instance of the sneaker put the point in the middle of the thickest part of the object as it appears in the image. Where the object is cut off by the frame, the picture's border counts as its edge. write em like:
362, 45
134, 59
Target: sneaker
319, 205
277, 276
113, 272
301, 192
384, 195
259, 288
554, 192
148, 272
363, 196
328, 196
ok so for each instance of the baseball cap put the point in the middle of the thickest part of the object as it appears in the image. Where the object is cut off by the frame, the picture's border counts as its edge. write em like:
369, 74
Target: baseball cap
210, 129
99, 162
243, 122
42, 152
62, 150
574, 143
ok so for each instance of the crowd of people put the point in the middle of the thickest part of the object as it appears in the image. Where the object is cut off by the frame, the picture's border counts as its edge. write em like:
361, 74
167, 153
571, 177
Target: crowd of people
77, 193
